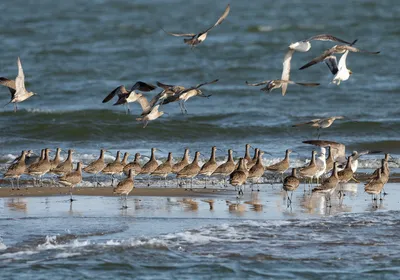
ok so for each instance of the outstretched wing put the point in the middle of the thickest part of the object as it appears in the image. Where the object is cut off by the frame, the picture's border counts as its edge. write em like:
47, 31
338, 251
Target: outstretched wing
304, 123
20, 80
221, 18
286, 70
319, 58
8, 83
331, 62
362, 153
203, 84
119, 90
328, 37
258, 84
180, 34
142, 86
144, 104
307, 84
164, 86
354, 49
171, 99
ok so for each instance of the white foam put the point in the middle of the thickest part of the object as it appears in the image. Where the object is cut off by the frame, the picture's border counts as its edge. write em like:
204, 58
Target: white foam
65, 255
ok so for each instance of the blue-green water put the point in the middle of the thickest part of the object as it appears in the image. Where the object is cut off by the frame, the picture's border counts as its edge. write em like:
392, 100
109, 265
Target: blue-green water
75, 52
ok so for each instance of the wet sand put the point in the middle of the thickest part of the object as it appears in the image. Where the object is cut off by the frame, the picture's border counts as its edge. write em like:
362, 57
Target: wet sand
108, 191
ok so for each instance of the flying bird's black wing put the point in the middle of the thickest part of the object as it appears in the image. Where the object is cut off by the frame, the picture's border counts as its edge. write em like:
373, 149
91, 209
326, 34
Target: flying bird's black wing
142, 86
119, 90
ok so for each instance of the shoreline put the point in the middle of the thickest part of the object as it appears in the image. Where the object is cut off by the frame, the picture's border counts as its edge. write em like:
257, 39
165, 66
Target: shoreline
108, 191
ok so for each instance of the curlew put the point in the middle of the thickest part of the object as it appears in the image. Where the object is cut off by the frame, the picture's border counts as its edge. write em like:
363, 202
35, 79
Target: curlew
72, 178
329, 185
320, 123
125, 187
186, 94
238, 177
256, 171
65, 166
135, 165
195, 39
282, 166
274, 84
56, 160
310, 170
95, 167
16, 170
164, 169
116, 167
152, 115
329, 161
375, 186
347, 173
209, 167
125, 97
17, 87
180, 165
40, 168
290, 184
150, 166
191, 170
254, 159
225, 169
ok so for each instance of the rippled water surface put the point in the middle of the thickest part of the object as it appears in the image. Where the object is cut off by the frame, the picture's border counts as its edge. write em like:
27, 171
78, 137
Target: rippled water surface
75, 52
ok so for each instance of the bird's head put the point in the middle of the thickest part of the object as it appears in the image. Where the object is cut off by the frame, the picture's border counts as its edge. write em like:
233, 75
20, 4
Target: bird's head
350, 72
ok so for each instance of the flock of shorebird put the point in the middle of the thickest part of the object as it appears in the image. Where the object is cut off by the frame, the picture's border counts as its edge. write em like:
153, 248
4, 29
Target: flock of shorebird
181, 94
247, 170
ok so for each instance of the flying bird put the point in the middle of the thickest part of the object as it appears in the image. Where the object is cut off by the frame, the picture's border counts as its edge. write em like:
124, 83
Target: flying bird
152, 115
340, 71
333, 50
274, 84
125, 96
303, 46
196, 39
185, 94
17, 87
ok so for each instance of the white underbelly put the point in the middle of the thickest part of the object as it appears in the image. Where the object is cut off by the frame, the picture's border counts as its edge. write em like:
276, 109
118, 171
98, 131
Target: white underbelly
300, 46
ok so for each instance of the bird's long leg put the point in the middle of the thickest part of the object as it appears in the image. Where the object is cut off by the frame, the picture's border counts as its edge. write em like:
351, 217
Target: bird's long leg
180, 106
70, 194
12, 183
184, 107
165, 181
18, 183
191, 183
129, 109
112, 180
15, 107
205, 182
